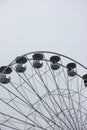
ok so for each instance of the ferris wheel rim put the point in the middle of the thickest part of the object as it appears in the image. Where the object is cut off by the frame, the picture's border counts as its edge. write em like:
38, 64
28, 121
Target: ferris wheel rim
49, 52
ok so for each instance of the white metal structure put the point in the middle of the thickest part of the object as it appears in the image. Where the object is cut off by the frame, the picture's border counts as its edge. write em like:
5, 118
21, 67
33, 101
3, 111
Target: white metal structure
43, 91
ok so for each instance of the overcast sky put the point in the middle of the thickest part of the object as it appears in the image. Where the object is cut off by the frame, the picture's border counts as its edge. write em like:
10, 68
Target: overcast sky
34, 25
53, 25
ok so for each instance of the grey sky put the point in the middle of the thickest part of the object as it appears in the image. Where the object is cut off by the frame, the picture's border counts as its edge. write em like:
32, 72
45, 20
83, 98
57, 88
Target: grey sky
54, 25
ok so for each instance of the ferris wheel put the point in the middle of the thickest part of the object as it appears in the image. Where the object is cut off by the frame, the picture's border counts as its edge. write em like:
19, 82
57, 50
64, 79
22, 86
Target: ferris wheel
43, 91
